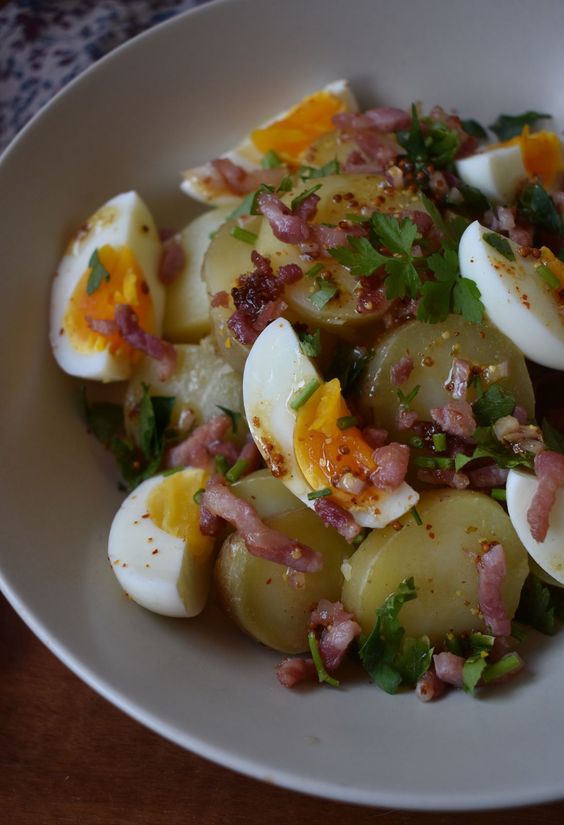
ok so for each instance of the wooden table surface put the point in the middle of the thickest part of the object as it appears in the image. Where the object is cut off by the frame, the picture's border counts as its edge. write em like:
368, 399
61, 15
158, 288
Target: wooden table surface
68, 757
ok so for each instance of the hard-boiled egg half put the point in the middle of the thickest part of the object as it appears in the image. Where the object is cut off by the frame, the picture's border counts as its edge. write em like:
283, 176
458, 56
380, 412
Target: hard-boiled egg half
156, 549
288, 134
297, 423
501, 168
548, 554
517, 296
112, 259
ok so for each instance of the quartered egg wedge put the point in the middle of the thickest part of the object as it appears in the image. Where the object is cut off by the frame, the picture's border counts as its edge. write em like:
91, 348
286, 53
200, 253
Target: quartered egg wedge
289, 134
156, 549
112, 259
501, 168
292, 415
517, 297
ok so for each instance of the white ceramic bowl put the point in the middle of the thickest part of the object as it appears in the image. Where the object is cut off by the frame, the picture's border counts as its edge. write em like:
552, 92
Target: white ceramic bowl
171, 98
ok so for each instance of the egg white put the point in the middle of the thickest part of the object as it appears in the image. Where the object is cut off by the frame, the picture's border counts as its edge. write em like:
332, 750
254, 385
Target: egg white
123, 221
275, 370
155, 580
549, 554
496, 172
517, 299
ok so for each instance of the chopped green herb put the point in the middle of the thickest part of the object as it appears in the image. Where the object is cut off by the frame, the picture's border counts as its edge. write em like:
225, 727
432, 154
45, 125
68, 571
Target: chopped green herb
500, 244
510, 663
352, 217
98, 273
301, 396
466, 300
397, 235
347, 421
518, 632
173, 470
439, 442
548, 276
405, 400
472, 198
360, 257
322, 674
508, 126
494, 403
271, 160
332, 167
237, 470
416, 441
412, 140
472, 671
537, 606
472, 127
537, 207
244, 235
315, 270
416, 517
310, 343
499, 494
249, 204
198, 495
481, 641
233, 415
324, 293
348, 365
554, 440
438, 146
221, 464
433, 462
357, 541
299, 199
490, 447
323, 493
286, 184
104, 420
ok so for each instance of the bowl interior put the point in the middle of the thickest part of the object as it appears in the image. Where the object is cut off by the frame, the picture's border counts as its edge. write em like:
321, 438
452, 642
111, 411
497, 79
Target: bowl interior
176, 96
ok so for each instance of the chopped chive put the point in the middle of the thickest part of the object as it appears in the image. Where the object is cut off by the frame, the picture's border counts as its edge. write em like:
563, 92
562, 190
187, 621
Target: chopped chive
354, 218
322, 674
198, 495
439, 442
548, 276
405, 400
433, 462
221, 464
286, 184
357, 541
499, 494
326, 491
173, 470
310, 343
271, 160
237, 470
416, 517
315, 270
500, 244
347, 421
299, 199
510, 663
324, 294
518, 632
233, 415
416, 442
301, 396
481, 641
244, 235
454, 644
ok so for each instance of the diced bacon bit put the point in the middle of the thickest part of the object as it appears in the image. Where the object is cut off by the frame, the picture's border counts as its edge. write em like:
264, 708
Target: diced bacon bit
371, 297
522, 438
210, 524
405, 419
400, 372
104, 326
523, 235
429, 686
549, 467
257, 297
503, 219
492, 569
220, 299
291, 672
402, 309
520, 413
251, 455
388, 119
242, 181
333, 515
448, 667
457, 381
286, 226
456, 418
489, 476
172, 260
129, 329
392, 461
375, 436
444, 478
338, 630
260, 540
194, 451
224, 448
422, 220
356, 164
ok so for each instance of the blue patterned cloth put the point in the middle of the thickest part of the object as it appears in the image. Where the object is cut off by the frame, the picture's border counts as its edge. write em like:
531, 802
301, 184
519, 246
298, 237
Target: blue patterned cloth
45, 43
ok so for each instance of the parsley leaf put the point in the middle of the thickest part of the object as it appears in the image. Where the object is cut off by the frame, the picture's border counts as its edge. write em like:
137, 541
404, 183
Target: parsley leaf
414, 658
538, 606
359, 257
413, 141
104, 420
466, 300
554, 439
403, 279
271, 160
472, 198
494, 403
472, 127
490, 447
537, 207
508, 126
472, 671
450, 292
396, 235
154, 417
380, 652
437, 145
98, 273
310, 343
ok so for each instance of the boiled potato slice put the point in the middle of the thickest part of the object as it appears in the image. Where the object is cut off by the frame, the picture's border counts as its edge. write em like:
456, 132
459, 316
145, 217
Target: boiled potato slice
433, 347
440, 555
187, 313
260, 596
268, 495
201, 381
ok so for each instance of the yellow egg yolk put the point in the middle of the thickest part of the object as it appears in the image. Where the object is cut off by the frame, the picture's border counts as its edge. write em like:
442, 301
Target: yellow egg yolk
327, 455
125, 285
172, 507
292, 134
541, 152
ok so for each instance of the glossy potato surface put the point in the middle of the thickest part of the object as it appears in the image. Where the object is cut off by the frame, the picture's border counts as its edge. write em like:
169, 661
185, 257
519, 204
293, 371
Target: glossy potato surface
441, 555
259, 595
433, 347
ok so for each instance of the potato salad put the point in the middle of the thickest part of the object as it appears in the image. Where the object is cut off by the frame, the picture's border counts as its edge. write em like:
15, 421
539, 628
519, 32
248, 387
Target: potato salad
342, 413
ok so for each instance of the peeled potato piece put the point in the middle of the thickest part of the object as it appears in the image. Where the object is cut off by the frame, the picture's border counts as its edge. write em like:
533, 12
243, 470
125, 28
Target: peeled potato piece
201, 381
269, 602
440, 555
267, 494
432, 348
